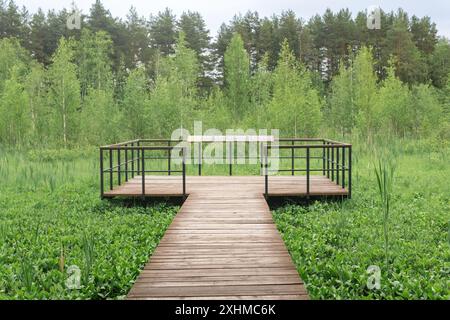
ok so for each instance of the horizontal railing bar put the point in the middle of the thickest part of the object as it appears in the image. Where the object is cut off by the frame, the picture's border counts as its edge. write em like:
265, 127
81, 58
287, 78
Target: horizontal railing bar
302, 139
121, 143
304, 170
311, 146
140, 147
132, 171
159, 140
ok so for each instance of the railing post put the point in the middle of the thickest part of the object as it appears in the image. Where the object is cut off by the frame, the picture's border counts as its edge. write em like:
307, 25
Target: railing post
230, 157
328, 160
199, 158
138, 156
266, 169
132, 160
337, 165
350, 172
293, 159
126, 162
169, 158
184, 172
343, 167
110, 169
307, 172
118, 167
101, 174
332, 163
323, 157
261, 157
143, 172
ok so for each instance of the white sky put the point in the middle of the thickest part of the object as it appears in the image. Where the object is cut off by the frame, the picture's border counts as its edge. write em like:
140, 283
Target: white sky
217, 11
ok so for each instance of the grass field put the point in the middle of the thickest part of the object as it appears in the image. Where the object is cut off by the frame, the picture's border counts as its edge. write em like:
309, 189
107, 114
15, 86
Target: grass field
51, 218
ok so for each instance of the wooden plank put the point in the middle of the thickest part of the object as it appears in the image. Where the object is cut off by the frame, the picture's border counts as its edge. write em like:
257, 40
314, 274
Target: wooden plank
176, 291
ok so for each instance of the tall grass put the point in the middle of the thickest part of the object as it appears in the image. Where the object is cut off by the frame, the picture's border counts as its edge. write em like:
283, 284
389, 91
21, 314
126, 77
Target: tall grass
384, 171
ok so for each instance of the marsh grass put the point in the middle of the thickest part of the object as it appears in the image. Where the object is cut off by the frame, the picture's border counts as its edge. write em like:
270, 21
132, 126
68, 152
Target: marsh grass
333, 245
384, 171
50, 209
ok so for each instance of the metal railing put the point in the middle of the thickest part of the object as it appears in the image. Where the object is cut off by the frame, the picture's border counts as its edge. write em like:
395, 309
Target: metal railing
127, 159
336, 159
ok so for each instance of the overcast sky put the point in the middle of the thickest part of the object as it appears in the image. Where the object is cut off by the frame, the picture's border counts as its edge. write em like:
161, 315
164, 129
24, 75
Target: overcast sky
217, 11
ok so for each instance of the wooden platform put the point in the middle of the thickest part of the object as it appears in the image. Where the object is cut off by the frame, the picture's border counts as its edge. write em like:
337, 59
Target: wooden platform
165, 186
222, 244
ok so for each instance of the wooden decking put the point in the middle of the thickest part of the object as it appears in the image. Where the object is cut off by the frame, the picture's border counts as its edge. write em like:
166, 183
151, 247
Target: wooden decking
222, 244
166, 186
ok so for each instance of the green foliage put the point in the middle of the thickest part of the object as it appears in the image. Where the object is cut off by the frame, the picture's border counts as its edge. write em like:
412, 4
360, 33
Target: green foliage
134, 106
365, 90
15, 121
342, 110
108, 241
409, 62
237, 77
35, 89
64, 94
261, 94
11, 54
120, 79
295, 106
427, 112
439, 63
333, 245
94, 63
101, 115
393, 105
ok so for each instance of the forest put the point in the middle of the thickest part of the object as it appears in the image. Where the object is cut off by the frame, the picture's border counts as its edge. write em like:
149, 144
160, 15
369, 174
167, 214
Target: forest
118, 77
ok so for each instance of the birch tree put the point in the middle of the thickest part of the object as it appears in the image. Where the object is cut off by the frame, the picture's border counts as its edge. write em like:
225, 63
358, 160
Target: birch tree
64, 94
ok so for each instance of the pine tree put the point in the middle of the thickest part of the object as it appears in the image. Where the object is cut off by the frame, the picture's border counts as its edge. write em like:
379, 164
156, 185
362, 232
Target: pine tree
197, 38
439, 64
163, 32
409, 63
138, 42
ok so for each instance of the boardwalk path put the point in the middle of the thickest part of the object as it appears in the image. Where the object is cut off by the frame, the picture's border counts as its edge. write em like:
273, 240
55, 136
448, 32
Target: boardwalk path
222, 244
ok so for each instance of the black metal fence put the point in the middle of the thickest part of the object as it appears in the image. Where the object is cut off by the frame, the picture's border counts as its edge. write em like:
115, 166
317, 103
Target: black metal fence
128, 159
122, 161
335, 160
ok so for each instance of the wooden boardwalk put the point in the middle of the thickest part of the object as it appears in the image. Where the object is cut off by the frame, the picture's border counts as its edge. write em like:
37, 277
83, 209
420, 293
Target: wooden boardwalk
223, 243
